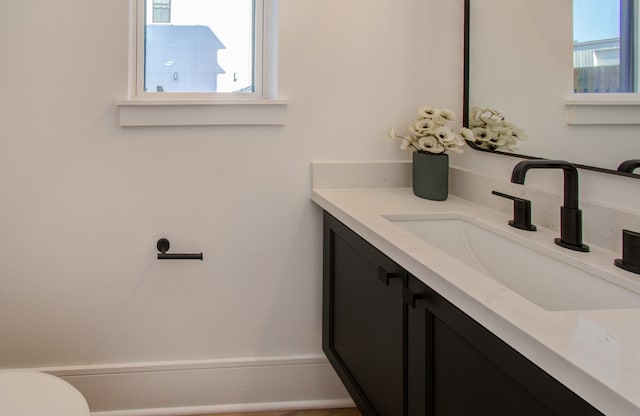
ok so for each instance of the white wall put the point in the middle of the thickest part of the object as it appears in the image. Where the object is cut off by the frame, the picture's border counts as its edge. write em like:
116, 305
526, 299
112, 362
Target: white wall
83, 200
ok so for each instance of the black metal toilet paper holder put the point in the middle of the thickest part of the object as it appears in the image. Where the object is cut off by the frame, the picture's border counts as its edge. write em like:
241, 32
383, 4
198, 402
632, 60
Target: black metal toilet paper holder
163, 246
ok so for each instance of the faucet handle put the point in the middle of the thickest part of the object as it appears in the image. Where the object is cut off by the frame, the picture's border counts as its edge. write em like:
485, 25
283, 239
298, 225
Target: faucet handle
630, 260
521, 212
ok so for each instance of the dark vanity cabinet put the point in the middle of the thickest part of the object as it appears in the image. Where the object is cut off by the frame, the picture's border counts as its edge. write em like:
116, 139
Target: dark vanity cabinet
363, 328
401, 349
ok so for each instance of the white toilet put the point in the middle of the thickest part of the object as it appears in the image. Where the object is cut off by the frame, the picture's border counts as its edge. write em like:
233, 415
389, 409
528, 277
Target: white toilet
30, 393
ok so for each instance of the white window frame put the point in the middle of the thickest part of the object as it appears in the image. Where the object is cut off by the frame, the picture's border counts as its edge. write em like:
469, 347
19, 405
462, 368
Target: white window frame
608, 108
262, 107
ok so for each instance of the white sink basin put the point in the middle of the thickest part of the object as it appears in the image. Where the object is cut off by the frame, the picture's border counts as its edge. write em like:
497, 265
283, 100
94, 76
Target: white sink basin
548, 282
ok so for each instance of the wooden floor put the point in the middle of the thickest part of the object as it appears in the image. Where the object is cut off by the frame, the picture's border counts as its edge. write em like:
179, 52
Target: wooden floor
322, 412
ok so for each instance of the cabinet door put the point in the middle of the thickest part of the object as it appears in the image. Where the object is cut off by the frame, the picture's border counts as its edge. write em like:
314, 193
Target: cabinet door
363, 320
457, 367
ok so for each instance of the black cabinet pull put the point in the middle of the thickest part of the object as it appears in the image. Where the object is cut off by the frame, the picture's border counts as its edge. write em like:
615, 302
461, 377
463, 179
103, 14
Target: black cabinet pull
409, 297
163, 246
384, 275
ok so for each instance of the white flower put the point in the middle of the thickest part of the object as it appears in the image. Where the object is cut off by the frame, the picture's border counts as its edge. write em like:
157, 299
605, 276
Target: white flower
467, 134
437, 116
429, 133
431, 144
428, 112
482, 134
518, 134
439, 120
445, 135
499, 140
447, 114
454, 149
492, 131
422, 127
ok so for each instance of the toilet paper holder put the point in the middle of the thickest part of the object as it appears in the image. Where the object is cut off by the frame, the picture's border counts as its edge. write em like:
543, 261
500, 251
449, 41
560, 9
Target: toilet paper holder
163, 246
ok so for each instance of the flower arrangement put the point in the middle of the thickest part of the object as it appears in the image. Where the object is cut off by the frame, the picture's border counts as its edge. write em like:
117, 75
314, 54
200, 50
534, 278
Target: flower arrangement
430, 134
492, 132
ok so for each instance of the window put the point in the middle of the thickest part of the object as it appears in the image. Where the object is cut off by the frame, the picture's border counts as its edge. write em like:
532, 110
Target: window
604, 49
213, 63
210, 47
161, 11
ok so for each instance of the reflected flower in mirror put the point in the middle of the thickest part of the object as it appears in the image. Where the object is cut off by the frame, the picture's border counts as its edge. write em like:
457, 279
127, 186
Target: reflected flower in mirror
429, 133
492, 132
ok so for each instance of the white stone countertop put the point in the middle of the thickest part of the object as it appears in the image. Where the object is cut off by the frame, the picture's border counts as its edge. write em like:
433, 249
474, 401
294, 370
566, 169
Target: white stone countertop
596, 353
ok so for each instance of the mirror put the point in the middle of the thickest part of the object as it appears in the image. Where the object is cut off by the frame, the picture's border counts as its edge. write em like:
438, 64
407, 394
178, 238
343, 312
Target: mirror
519, 61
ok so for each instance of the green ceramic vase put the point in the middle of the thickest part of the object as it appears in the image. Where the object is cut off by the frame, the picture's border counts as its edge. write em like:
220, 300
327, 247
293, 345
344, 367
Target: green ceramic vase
431, 175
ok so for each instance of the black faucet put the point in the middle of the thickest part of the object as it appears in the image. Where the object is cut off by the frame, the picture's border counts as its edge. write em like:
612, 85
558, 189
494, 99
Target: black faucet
629, 165
570, 214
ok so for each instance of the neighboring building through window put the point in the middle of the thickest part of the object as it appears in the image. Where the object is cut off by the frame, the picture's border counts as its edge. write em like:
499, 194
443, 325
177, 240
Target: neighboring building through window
210, 46
161, 11
181, 58
604, 49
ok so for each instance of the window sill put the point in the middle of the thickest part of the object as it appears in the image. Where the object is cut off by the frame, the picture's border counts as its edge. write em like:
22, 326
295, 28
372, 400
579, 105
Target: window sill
603, 109
249, 112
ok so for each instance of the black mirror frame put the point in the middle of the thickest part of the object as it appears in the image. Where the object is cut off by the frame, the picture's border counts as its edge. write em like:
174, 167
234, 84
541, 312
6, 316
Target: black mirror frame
465, 105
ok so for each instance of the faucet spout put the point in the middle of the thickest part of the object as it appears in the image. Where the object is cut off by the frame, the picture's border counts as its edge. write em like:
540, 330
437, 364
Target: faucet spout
570, 214
629, 165
570, 177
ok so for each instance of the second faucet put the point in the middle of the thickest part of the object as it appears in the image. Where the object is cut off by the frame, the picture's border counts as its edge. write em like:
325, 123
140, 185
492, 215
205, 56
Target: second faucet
570, 214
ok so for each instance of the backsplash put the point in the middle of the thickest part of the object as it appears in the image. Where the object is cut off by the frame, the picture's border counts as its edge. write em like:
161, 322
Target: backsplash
344, 175
602, 224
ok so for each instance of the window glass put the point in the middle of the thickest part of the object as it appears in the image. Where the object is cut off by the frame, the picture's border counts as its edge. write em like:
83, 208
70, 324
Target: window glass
203, 46
603, 48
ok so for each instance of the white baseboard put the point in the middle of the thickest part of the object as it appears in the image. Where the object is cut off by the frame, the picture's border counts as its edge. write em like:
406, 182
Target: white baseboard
240, 408
207, 386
